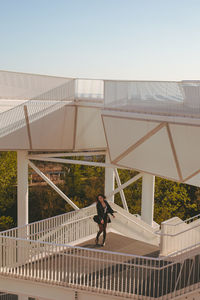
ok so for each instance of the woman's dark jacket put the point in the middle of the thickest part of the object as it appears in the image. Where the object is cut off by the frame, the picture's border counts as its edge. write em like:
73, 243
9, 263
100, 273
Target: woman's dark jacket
101, 214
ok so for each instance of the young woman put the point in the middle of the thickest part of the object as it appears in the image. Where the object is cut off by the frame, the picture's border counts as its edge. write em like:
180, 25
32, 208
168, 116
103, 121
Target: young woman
103, 209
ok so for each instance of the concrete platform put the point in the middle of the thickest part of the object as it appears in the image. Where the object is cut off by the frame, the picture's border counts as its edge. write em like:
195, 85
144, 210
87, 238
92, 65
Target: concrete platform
119, 243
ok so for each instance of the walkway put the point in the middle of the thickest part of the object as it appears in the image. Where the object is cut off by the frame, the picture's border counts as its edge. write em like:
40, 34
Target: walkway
122, 244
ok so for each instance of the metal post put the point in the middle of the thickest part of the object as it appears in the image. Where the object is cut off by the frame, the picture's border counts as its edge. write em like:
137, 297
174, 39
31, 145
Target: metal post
148, 183
22, 188
125, 206
109, 179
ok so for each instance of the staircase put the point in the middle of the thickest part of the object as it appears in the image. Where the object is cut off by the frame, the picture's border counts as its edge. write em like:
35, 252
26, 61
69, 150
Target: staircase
41, 252
133, 227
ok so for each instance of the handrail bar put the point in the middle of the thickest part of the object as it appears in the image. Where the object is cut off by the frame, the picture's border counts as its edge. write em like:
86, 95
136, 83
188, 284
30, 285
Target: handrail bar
68, 213
133, 256
58, 227
81, 248
44, 220
175, 234
182, 221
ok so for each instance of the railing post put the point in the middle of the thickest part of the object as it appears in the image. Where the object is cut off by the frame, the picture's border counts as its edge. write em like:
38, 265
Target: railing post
22, 207
163, 240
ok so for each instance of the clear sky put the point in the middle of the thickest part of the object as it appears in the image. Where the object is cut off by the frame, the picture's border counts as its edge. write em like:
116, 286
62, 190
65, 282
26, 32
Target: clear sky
115, 39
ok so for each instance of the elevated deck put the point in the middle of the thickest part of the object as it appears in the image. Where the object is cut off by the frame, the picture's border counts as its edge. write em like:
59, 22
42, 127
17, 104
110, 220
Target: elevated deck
122, 244
60, 252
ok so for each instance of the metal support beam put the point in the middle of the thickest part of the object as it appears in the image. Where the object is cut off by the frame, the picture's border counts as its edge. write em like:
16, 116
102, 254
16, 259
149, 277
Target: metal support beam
22, 188
71, 154
147, 210
53, 185
109, 180
124, 185
71, 161
121, 190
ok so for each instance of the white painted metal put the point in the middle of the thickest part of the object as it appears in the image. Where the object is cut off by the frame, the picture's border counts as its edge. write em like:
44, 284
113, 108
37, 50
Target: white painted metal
70, 154
77, 226
124, 185
75, 267
194, 180
185, 137
17, 86
89, 90
71, 161
43, 291
133, 227
53, 185
89, 129
154, 97
63, 115
177, 235
22, 188
147, 209
154, 156
122, 133
80, 268
185, 120
56, 129
121, 190
109, 179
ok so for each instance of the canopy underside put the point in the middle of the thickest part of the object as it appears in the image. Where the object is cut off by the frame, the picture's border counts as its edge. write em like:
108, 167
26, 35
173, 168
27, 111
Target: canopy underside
153, 127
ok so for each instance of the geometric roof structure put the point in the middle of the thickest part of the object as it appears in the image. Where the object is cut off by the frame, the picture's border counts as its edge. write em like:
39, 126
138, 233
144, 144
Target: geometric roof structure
153, 127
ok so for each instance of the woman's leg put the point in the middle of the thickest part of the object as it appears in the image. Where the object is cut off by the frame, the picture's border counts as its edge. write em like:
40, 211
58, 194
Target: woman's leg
104, 234
98, 233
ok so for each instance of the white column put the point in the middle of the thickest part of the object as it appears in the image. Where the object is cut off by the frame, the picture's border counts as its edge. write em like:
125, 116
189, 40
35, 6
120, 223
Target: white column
147, 210
109, 180
22, 188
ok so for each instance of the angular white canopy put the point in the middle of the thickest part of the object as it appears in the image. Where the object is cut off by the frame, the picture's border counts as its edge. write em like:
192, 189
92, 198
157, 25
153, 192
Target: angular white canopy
152, 127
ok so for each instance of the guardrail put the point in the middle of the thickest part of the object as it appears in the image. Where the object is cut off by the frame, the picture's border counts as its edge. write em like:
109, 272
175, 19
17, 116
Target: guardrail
64, 228
41, 251
178, 235
100, 271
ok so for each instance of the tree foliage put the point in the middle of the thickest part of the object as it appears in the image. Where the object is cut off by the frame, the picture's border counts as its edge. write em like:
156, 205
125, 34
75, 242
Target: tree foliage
82, 184
8, 180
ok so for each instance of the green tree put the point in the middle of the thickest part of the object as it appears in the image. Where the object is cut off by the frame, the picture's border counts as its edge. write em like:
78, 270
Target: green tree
6, 223
83, 183
8, 180
172, 199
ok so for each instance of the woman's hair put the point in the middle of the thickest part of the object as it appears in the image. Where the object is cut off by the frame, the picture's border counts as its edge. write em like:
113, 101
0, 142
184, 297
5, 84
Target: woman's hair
97, 198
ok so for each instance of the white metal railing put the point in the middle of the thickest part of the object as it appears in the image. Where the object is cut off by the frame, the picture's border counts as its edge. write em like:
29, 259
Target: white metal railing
6, 296
178, 235
15, 118
95, 270
134, 218
41, 251
64, 228
192, 219
153, 97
